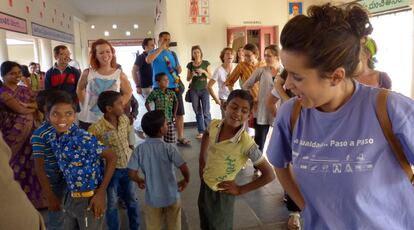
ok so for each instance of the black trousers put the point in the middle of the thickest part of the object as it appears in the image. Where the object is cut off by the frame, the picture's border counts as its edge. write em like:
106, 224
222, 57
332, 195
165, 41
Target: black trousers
260, 134
291, 205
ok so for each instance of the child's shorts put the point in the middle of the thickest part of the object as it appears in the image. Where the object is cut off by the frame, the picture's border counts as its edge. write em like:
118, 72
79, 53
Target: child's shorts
154, 217
170, 136
216, 209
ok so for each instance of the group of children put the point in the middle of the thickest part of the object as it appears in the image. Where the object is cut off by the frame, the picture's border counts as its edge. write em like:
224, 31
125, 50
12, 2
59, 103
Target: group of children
78, 169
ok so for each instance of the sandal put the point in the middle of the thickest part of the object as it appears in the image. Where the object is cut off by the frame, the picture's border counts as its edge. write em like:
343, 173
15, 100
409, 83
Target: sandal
294, 221
183, 141
199, 136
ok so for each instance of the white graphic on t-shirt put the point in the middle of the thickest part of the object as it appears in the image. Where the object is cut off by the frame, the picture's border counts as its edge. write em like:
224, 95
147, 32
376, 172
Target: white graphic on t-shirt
352, 162
361, 157
348, 168
337, 168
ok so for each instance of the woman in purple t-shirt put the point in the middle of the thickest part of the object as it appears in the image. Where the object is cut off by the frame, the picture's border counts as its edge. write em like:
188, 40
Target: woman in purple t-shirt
333, 159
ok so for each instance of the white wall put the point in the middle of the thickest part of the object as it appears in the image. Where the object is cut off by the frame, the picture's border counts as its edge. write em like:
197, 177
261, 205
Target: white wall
36, 7
55, 14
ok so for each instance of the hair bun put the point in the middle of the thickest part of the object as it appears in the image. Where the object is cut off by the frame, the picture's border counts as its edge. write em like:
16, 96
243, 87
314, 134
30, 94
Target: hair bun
327, 16
358, 20
354, 18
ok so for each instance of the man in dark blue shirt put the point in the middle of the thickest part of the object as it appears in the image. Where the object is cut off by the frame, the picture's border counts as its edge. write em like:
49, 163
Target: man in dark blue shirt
62, 76
142, 71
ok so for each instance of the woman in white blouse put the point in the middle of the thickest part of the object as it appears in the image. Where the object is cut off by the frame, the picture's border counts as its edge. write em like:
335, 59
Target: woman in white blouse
220, 76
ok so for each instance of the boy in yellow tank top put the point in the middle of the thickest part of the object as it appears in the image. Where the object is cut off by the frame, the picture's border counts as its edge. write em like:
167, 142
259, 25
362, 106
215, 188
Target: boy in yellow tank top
225, 148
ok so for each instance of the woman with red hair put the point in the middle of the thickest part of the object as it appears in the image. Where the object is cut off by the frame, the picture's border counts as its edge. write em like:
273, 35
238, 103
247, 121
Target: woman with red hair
104, 74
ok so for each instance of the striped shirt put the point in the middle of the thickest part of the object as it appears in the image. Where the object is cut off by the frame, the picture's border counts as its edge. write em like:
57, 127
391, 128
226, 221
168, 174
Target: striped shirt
243, 71
41, 149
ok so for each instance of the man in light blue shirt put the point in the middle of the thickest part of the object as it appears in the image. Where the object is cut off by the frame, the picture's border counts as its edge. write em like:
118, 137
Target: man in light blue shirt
165, 61
157, 159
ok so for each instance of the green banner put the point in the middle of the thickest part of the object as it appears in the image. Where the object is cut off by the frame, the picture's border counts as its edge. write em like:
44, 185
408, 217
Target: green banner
375, 6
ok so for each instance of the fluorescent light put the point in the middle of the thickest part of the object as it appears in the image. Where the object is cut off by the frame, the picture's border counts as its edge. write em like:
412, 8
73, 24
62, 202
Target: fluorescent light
106, 33
11, 41
114, 26
136, 26
128, 33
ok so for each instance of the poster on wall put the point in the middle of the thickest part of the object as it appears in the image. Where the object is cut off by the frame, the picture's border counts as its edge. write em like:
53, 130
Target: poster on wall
295, 8
199, 12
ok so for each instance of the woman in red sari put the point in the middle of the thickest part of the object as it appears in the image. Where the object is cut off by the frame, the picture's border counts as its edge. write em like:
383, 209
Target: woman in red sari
17, 122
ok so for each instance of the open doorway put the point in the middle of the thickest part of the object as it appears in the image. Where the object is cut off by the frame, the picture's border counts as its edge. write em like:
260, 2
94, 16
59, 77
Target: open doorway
20, 48
393, 34
125, 56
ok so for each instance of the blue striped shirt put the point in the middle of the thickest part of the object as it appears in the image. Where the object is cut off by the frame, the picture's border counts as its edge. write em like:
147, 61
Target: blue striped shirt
41, 149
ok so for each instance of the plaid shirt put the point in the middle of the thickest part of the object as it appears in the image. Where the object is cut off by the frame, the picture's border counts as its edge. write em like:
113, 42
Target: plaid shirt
115, 138
163, 101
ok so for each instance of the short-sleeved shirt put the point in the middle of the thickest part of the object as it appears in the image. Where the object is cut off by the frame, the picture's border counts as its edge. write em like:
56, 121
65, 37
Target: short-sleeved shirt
115, 138
79, 158
160, 66
66, 80
145, 70
198, 82
157, 160
226, 158
41, 149
344, 166
276, 94
163, 101
220, 76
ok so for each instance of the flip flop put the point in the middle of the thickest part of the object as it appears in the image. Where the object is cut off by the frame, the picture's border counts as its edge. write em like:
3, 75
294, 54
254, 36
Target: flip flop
183, 141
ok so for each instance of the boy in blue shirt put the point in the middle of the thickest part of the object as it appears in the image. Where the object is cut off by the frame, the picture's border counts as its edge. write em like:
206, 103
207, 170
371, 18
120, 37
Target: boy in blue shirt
112, 130
80, 158
46, 166
156, 159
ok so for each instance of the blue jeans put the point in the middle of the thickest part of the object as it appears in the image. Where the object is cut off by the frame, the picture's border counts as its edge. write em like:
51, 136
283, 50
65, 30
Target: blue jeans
201, 106
125, 188
56, 218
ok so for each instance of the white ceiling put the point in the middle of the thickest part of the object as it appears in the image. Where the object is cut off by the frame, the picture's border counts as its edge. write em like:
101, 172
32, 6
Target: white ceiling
115, 7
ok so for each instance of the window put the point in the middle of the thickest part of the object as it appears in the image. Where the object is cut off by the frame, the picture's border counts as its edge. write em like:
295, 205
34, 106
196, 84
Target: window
393, 34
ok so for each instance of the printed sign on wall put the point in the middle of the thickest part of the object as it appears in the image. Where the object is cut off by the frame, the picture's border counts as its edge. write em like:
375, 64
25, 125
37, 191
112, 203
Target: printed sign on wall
13, 23
199, 12
49, 33
375, 6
